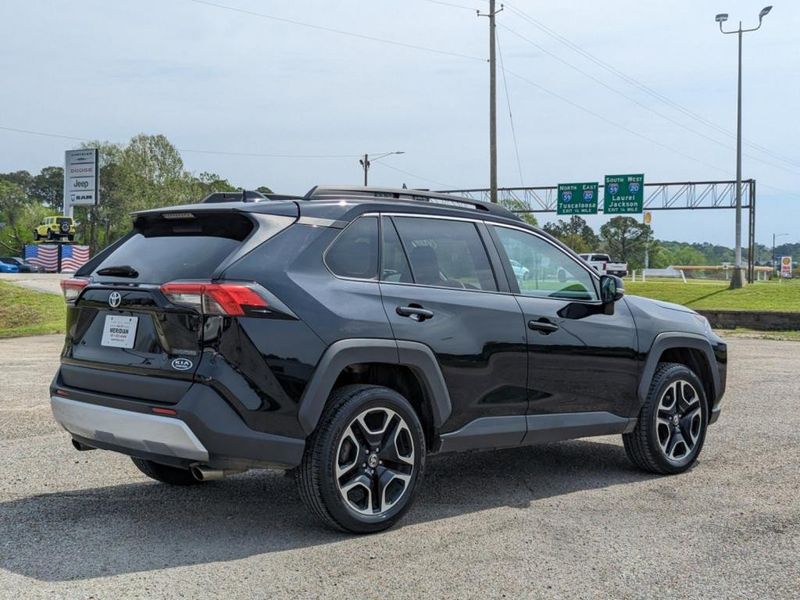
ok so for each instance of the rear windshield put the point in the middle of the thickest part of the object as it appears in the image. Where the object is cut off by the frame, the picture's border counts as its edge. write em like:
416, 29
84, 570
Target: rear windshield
163, 250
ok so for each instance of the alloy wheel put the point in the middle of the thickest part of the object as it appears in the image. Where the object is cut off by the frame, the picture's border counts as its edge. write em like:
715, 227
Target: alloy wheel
679, 420
375, 461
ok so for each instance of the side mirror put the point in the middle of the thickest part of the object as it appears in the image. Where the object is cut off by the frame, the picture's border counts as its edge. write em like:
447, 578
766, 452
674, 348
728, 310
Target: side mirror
611, 289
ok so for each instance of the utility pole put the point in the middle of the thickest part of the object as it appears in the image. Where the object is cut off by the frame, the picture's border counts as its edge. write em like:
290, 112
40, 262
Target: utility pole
738, 280
492, 100
365, 163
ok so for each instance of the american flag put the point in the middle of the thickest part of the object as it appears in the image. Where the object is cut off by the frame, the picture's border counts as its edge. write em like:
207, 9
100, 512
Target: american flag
46, 255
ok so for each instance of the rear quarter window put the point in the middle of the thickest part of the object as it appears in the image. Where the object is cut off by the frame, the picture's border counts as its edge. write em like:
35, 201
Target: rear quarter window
354, 253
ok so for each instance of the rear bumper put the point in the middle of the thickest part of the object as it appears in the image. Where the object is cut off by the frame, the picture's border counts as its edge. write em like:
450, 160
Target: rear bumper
151, 434
204, 431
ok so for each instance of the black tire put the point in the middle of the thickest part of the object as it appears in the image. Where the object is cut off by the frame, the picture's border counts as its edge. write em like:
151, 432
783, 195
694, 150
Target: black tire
35, 236
50, 235
165, 473
669, 441
335, 437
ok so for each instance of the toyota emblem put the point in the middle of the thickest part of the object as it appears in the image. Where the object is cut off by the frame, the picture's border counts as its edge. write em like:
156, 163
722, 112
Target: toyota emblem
114, 299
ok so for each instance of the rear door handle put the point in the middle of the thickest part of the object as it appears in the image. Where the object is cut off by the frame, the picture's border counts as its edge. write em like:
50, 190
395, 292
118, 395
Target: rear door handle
414, 312
542, 325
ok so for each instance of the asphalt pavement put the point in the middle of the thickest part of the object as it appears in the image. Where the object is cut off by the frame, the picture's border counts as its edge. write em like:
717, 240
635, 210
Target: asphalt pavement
48, 283
568, 520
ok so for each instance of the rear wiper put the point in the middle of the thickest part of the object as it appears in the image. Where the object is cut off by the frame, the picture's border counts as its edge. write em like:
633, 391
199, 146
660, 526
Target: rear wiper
119, 271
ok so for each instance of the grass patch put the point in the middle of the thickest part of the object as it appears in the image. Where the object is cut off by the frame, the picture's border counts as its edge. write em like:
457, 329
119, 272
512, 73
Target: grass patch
26, 312
715, 295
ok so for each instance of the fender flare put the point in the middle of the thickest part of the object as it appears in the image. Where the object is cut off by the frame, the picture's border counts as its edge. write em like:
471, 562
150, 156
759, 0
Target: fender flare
665, 341
418, 357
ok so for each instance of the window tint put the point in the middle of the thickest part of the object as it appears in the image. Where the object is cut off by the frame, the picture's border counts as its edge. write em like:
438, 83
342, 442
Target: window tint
162, 250
542, 269
355, 251
395, 264
446, 253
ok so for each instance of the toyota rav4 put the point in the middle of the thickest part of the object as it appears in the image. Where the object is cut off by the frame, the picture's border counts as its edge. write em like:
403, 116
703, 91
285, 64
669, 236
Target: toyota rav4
348, 335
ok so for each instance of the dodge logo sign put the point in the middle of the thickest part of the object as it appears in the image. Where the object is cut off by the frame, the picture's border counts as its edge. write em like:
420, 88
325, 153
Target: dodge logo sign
114, 299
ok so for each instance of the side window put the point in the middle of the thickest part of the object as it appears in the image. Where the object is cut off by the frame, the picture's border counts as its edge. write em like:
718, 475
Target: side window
542, 269
395, 263
446, 253
355, 252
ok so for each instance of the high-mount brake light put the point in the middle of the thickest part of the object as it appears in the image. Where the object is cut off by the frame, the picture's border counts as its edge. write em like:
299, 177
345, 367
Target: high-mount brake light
72, 288
230, 299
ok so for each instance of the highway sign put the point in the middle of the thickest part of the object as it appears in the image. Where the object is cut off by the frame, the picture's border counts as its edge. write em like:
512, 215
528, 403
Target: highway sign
80, 178
577, 198
624, 194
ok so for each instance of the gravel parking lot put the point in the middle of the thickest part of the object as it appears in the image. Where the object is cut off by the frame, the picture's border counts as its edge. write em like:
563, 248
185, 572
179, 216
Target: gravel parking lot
559, 520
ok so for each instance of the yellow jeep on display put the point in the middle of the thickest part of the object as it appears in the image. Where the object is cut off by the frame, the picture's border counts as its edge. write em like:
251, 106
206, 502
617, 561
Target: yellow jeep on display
54, 228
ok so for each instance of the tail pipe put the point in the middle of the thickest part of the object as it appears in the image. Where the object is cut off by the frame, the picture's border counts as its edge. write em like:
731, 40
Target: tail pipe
202, 473
81, 447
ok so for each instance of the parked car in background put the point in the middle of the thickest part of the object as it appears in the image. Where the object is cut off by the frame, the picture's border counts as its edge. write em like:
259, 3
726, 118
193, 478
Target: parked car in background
520, 272
55, 228
21, 264
603, 265
8, 267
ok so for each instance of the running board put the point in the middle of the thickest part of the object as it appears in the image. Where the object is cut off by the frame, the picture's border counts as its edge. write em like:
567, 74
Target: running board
520, 430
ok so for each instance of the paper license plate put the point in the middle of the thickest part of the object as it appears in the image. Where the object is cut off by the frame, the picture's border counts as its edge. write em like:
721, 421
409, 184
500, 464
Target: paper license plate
119, 331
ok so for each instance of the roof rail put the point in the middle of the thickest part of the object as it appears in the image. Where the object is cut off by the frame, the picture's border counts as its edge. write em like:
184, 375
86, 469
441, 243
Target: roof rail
326, 192
245, 196
237, 196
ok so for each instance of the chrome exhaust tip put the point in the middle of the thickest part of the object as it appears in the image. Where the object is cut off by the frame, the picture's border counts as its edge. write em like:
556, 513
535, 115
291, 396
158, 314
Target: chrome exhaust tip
208, 474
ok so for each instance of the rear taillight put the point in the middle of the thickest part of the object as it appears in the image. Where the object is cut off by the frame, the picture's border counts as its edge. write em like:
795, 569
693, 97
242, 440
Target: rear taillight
231, 299
72, 288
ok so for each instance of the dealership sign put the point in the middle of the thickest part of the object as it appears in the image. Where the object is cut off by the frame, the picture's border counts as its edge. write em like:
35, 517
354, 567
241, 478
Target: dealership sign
577, 198
623, 194
80, 178
786, 266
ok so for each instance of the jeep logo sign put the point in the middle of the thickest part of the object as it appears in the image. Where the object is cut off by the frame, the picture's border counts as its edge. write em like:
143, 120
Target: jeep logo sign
182, 364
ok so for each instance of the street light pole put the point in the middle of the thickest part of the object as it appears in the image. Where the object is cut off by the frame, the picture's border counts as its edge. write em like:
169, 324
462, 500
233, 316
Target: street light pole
366, 162
738, 280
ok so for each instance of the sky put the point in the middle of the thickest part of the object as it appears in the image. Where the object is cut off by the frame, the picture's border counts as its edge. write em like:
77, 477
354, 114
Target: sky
595, 88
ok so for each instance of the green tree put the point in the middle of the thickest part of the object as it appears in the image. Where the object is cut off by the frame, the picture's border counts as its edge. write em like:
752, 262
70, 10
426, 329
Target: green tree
514, 204
263, 189
575, 233
23, 179
206, 183
146, 173
48, 188
18, 217
624, 239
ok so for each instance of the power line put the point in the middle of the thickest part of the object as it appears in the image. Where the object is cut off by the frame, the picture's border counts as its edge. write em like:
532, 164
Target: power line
451, 4
641, 86
510, 116
637, 102
439, 183
191, 150
337, 31
611, 122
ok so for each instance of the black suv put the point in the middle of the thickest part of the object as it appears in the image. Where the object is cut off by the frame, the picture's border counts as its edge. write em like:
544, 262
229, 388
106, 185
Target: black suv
349, 334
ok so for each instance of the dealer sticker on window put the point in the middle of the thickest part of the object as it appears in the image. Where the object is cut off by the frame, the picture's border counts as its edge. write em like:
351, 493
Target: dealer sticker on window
119, 331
